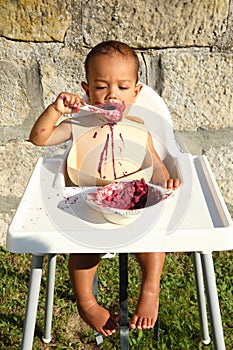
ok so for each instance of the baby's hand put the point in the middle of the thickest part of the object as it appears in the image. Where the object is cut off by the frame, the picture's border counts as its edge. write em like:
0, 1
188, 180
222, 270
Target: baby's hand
67, 103
172, 184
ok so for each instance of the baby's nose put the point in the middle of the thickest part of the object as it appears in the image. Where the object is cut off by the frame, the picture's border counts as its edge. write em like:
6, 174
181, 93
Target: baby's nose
112, 95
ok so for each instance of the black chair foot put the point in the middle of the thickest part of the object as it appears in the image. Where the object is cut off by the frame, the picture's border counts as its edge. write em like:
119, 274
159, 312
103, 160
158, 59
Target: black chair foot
156, 330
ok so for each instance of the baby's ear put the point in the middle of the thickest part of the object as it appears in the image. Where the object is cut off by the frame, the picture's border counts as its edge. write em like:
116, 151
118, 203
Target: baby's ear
138, 88
85, 88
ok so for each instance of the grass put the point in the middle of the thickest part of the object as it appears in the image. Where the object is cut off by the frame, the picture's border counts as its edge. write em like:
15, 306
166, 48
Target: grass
179, 322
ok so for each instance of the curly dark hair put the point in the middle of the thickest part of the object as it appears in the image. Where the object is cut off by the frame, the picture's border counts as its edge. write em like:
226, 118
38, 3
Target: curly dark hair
112, 47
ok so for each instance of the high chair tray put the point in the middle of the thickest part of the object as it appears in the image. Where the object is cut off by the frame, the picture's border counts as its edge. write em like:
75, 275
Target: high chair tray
53, 218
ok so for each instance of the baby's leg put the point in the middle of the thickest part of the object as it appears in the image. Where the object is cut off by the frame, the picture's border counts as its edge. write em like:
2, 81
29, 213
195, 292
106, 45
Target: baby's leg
82, 268
146, 312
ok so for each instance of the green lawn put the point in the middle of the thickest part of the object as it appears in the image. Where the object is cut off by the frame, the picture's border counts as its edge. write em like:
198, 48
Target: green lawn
179, 322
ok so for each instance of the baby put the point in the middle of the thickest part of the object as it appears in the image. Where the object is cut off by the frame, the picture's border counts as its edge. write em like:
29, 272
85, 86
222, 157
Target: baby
111, 76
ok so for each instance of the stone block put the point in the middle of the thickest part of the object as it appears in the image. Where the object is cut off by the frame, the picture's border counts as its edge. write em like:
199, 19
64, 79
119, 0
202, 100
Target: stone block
30, 20
220, 159
5, 219
154, 24
32, 76
217, 145
65, 73
198, 88
18, 160
225, 40
20, 92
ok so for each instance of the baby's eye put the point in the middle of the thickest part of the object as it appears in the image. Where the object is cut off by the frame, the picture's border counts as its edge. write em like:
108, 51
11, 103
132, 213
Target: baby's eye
123, 87
100, 87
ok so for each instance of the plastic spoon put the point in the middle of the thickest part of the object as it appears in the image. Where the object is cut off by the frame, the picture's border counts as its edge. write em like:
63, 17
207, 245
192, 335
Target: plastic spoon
113, 112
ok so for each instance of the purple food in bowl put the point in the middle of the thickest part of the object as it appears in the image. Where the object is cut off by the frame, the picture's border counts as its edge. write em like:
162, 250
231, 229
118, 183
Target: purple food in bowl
121, 201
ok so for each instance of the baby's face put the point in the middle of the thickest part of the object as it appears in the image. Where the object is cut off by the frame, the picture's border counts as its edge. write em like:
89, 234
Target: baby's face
111, 79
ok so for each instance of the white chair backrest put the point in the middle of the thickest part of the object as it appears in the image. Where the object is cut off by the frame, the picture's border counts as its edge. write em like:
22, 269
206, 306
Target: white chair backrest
148, 98
152, 109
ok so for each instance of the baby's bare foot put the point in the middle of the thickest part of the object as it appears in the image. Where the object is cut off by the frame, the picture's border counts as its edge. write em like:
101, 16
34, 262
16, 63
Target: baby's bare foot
146, 312
98, 317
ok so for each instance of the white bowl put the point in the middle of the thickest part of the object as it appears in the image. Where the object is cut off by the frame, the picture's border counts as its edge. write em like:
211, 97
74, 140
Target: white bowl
123, 216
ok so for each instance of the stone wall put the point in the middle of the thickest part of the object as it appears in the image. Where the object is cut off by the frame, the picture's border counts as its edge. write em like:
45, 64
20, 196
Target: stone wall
186, 54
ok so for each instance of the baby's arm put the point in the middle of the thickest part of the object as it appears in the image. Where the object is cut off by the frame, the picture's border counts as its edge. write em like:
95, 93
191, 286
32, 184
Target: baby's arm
44, 131
160, 175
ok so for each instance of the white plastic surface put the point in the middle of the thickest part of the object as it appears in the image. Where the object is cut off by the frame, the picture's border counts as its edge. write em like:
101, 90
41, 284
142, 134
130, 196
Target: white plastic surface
55, 219
52, 218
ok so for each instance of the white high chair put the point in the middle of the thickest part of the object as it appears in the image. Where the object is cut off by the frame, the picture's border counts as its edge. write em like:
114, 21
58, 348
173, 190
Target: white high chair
49, 213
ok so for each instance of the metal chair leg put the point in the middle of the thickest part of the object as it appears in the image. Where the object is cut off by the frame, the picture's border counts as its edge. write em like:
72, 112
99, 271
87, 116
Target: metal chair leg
98, 336
156, 330
32, 302
124, 326
124, 329
51, 269
201, 297
212, 299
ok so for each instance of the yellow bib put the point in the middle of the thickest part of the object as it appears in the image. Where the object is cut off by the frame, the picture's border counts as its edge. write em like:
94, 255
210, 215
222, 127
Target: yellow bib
103, 153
